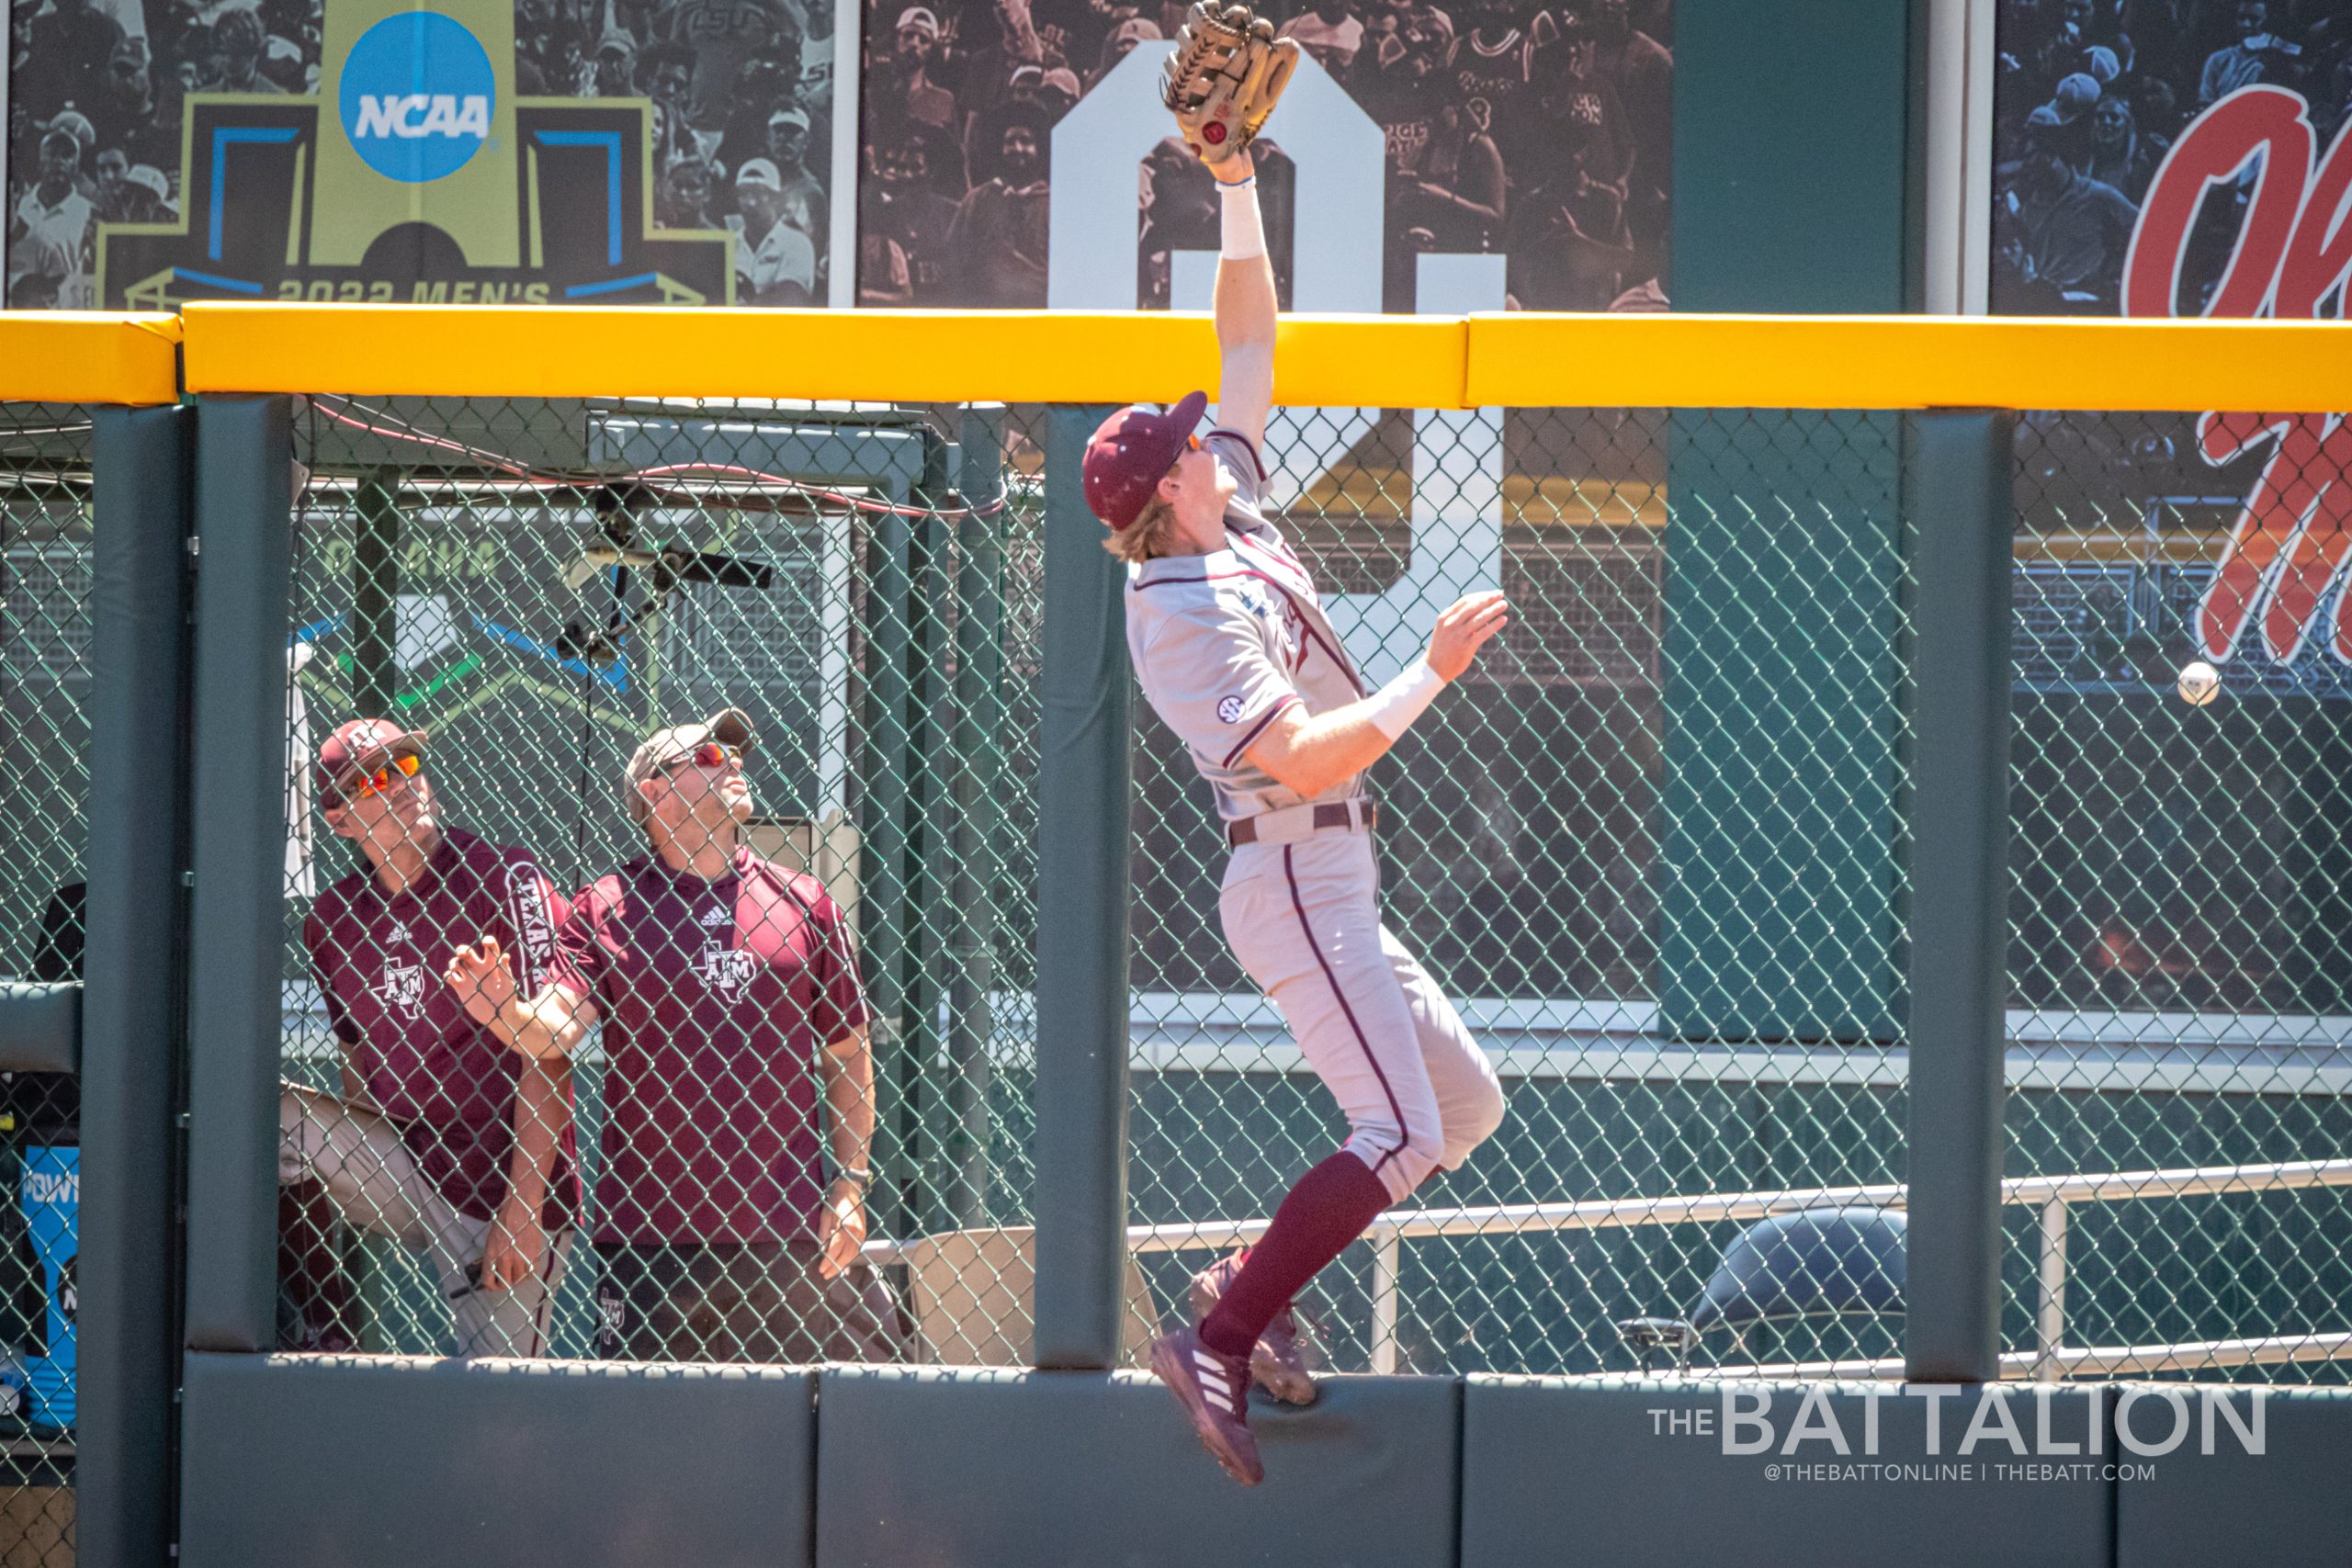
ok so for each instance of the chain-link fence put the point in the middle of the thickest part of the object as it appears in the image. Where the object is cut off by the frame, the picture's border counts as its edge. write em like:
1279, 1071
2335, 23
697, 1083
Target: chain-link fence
2181, 929
1652, 846
817, 997
44, 783
1647, 846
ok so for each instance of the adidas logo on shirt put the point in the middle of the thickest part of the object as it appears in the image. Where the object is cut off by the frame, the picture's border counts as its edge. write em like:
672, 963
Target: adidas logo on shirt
717, 916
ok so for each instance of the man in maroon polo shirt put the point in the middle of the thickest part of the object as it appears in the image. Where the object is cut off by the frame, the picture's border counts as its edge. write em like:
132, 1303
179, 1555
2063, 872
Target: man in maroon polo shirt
443, 1138
730, 1003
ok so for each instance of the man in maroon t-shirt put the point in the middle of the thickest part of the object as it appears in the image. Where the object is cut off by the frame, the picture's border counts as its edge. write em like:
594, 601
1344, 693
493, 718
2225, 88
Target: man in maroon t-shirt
727, 991
443, 1138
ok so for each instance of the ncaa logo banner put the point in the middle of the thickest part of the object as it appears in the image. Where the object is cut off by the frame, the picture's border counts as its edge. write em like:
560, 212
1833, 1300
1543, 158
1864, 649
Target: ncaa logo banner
496, 152
416, 95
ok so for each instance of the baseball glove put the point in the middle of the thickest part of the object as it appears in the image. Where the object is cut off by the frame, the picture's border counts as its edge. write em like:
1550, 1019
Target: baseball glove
1225, 78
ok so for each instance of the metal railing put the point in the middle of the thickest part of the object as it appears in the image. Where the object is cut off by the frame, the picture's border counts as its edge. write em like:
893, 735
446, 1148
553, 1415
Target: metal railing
2053, 1195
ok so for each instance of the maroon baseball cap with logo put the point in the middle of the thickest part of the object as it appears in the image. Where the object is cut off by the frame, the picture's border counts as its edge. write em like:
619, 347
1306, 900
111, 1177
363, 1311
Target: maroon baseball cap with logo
359, 745
1130, 453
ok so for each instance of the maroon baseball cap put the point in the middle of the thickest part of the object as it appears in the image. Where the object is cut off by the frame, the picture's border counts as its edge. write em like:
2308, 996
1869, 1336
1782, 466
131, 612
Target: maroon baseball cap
1129, 454
357, 745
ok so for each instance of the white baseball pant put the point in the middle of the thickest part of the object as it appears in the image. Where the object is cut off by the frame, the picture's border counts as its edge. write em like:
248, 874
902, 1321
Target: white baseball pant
358, 1156
1304, 919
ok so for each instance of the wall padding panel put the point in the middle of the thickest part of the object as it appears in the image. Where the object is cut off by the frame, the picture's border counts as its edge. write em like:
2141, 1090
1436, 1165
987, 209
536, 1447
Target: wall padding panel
393, 1461
2283, 1506
1572, 1472
942, 1469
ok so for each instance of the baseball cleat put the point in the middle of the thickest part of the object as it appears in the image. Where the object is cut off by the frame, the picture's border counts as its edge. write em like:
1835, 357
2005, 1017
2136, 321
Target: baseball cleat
1215, 1391
1278, 1361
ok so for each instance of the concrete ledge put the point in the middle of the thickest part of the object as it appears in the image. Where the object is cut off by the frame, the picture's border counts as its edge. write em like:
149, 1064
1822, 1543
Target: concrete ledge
1627, 1472
362, 1462
940, 1467
2281, 1506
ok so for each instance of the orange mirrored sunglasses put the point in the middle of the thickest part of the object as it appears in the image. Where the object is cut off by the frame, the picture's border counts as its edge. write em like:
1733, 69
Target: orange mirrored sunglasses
407, 766
709, 754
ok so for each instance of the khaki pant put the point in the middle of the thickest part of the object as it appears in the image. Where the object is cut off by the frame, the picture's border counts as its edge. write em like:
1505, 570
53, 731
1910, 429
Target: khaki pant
759, 1301
358, 1157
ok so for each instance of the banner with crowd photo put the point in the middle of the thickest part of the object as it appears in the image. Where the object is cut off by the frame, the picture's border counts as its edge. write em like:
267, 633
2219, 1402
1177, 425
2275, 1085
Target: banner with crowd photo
1536, 132
2182, 158
499, 152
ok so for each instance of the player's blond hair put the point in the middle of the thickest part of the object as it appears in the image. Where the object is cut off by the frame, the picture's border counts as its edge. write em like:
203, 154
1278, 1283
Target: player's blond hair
1144, 538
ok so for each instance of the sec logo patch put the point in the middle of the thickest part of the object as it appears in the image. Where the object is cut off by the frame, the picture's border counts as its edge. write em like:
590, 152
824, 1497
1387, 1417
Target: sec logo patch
1229, 710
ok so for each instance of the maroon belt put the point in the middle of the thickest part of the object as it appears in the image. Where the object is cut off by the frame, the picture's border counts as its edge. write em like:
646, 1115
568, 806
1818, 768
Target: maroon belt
1245, 830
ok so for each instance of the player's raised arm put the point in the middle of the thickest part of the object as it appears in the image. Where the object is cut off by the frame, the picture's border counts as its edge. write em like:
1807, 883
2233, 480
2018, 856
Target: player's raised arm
1245, 304
1225, 78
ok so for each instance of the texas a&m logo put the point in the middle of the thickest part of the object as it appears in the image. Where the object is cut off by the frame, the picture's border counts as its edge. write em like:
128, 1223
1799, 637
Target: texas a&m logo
401, 989
527, 905
726, 969
2286, 562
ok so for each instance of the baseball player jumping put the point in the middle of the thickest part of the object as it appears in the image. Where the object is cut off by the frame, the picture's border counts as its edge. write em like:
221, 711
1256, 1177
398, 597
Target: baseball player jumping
1233, 651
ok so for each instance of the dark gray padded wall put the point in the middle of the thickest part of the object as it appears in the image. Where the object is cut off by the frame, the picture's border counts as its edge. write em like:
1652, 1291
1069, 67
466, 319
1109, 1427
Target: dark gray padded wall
2287, 1505
390, 1463
1571, 1472
934, 1469
41, 1027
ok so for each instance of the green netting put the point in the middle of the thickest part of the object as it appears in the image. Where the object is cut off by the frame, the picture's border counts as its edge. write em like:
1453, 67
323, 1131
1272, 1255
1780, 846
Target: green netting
44, 783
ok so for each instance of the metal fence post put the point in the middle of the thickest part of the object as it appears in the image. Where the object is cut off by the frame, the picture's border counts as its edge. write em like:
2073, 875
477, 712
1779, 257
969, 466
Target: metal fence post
923, 1107
886, 890
978, 750
1958, 498
375, 594
138, 736
1082, 895
245, 519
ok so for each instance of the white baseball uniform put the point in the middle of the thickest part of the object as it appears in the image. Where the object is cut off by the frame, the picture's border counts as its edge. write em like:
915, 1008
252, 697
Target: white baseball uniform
1222, 644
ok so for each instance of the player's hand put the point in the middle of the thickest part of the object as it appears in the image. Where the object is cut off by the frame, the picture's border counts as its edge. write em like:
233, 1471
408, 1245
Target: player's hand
517, 1241
840, 1229
1463, 629
481, 977
1235, 169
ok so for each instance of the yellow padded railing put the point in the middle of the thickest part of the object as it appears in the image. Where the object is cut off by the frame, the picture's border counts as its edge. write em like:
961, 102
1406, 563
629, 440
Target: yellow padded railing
883, 356
1906, 362
1434, 362
85, 356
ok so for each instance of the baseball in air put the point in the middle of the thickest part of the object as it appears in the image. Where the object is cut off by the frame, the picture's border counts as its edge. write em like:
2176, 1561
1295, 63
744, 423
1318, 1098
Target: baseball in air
2200, 683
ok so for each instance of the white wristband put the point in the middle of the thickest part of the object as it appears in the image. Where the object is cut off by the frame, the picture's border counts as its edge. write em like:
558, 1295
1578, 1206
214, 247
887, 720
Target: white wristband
1395, 706
1241, 234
